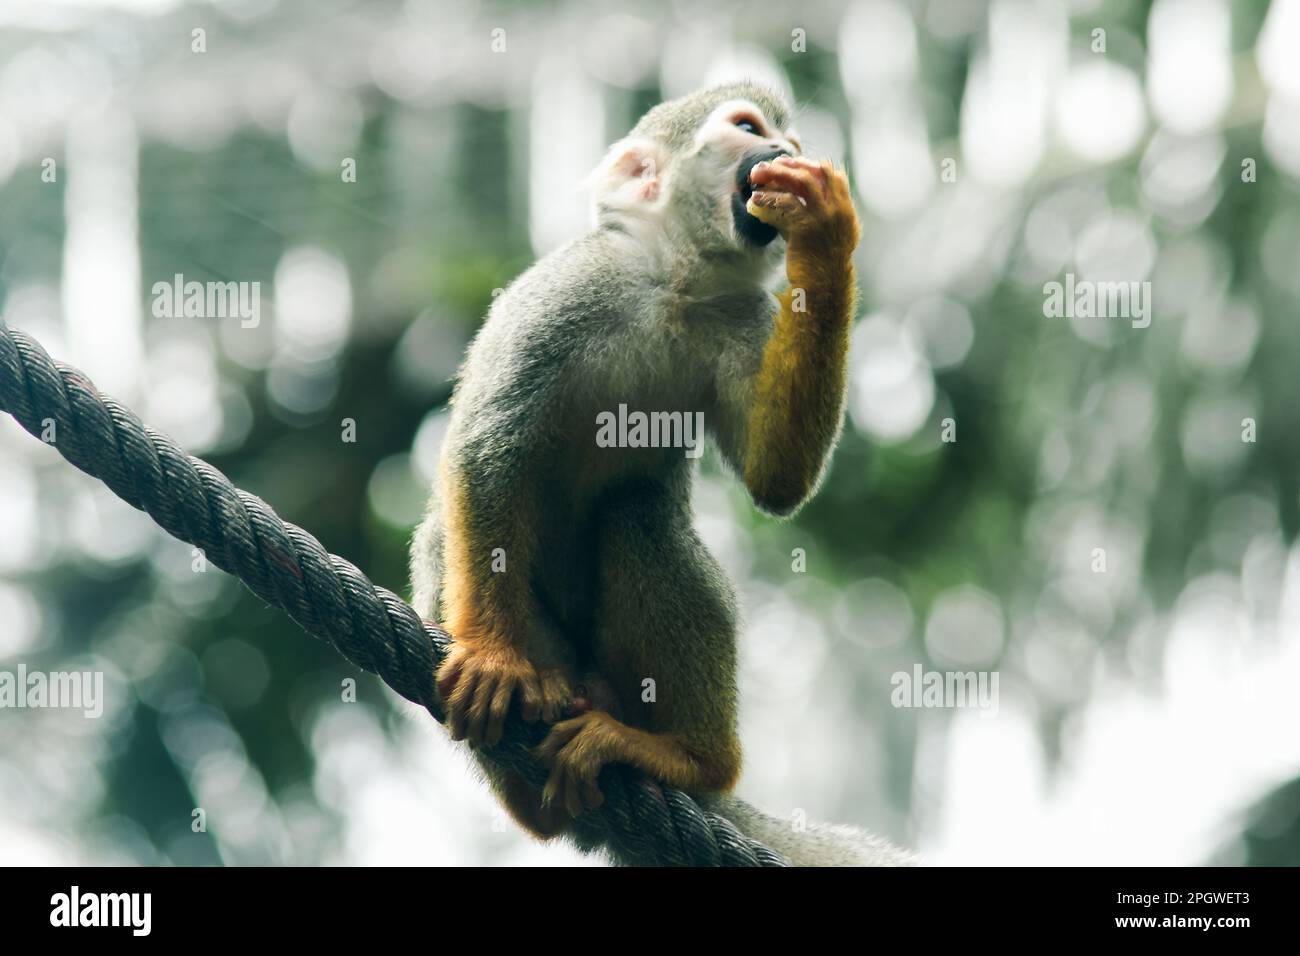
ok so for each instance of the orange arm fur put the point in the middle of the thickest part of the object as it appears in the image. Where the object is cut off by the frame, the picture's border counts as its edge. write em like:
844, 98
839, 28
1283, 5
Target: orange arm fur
799, 389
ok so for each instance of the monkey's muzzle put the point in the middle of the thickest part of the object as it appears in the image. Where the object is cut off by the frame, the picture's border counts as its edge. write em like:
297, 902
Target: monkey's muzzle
750, 228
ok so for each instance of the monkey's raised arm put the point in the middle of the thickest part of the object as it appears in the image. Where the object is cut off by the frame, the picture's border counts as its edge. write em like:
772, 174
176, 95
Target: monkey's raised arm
782, 422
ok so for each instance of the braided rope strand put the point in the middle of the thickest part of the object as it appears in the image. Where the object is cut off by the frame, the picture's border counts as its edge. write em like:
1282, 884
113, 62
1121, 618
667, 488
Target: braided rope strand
640, 823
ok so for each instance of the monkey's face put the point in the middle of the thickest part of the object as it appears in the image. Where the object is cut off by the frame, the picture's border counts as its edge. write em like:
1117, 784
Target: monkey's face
693, 189
735, 138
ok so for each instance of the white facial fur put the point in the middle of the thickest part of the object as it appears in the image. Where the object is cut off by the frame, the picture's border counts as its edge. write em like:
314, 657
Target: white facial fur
721, 131
651, 195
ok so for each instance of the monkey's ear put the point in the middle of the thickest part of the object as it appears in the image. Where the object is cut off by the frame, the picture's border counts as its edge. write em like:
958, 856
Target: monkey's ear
630, 174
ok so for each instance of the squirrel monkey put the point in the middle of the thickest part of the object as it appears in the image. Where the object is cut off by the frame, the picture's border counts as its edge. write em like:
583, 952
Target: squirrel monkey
569, 574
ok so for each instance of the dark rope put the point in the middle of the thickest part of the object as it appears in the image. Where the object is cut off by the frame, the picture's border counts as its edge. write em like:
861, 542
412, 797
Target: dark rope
640, 823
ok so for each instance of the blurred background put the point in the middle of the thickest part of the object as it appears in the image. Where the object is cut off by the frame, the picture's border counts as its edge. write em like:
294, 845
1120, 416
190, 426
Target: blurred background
1147, 710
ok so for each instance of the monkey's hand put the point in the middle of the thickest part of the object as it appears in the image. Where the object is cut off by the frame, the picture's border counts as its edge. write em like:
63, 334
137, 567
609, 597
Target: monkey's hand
477, 683
808, 203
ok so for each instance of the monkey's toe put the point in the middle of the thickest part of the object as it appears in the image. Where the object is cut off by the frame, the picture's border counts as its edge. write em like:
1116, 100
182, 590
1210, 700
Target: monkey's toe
556, 692
573, 788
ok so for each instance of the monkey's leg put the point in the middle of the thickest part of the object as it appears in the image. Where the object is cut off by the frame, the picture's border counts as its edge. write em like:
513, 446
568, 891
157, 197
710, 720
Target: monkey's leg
486, 607
666, 642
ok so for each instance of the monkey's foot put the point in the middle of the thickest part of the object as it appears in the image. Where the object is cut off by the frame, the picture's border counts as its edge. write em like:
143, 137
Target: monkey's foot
477, 686
577, 749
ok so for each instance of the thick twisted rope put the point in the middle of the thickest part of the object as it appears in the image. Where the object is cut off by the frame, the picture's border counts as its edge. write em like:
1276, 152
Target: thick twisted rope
640, 823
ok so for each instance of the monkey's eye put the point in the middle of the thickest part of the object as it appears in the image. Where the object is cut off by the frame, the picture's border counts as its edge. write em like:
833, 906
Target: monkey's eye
749, 126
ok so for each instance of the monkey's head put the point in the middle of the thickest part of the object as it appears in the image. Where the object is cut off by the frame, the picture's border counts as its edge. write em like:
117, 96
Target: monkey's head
683, 171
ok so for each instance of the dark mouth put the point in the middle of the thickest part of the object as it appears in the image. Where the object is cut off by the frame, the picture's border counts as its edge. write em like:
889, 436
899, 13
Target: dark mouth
751, 229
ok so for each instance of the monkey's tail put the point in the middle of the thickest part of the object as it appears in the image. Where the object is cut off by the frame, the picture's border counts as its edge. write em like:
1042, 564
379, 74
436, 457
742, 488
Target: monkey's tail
813, 844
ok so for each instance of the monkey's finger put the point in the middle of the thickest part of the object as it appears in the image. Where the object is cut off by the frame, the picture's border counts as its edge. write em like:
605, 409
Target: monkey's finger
560, 735
449, 673
816, 177
591, 795
548, 748
530, 697
769, 176
458, 704
779, 210
480, 708
497, 710
465, 694
837, 186
551, 791
821, 171
798, 180
774, 199
573, 795
555, 694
